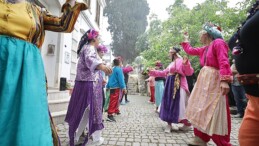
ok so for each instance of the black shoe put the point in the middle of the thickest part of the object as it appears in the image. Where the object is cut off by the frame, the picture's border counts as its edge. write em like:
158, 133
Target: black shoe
110, 118
127, 101
233, 110
118, 113
238, 116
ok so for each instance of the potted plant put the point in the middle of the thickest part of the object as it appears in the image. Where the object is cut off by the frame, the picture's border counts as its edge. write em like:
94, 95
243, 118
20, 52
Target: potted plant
69, 87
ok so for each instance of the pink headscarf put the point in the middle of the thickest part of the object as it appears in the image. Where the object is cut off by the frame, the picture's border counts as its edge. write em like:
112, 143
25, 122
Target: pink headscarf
92, 34
127, 69
102, 48
159, 64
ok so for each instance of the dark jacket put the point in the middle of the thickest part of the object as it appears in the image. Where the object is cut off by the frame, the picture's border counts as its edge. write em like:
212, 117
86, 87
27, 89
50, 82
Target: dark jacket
248, 61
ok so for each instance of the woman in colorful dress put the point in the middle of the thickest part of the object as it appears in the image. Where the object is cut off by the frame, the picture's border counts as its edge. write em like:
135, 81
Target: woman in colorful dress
85, 106
176, 91
151, 84
101, 50
246, 55
208, 109
126, 70
25, 120
159, 86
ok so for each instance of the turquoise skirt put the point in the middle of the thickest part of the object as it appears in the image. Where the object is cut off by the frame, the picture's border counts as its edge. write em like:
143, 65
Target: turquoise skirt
159, 90
24, 119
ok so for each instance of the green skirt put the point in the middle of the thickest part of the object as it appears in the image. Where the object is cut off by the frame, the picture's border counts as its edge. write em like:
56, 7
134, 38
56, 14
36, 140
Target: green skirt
107, 100
24, 119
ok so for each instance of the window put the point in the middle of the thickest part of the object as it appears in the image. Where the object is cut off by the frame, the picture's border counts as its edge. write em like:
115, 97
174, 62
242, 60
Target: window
97, 17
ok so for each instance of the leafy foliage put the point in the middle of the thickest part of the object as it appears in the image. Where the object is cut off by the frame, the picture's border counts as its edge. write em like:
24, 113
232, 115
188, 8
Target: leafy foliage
163, 35
128, 20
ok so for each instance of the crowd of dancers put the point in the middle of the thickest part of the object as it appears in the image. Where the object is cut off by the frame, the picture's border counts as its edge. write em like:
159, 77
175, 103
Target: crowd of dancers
25, 119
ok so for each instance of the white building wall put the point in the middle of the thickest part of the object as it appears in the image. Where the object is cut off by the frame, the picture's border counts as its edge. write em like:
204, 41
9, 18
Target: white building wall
63, 62
51, 38
66, 56
49, 59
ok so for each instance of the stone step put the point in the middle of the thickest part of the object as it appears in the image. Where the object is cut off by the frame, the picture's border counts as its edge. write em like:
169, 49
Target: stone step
59, 117
58, 105
56, 94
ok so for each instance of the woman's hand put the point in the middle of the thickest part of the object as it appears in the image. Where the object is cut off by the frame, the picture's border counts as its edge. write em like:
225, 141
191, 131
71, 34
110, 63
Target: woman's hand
185, 60
104, 82
186, 37
71, 2
106, 69
224, 88
124, 91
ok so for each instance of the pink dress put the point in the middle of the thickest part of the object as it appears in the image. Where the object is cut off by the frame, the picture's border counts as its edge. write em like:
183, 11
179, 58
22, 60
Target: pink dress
217, 57
151, 84
172, 109
207, 106
176, 67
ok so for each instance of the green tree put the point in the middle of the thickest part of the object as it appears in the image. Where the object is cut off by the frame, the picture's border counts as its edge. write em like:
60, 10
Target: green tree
184, 19
127, 21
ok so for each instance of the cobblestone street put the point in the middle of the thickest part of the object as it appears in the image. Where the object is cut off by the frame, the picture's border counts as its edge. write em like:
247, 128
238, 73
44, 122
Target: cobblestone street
139, 125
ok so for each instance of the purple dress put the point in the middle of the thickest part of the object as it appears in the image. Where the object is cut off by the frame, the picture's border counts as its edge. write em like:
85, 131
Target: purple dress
173, 101
85, 106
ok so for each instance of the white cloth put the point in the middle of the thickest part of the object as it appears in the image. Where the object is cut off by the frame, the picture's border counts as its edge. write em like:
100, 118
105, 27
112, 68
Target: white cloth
84, 123
183, 104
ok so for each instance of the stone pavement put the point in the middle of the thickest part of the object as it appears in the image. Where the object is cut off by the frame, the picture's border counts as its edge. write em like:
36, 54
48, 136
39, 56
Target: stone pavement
139, 125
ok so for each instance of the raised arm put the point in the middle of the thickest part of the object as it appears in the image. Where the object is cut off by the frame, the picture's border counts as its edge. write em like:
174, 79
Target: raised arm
187, 68
66, 22
192, 51
182, 66
158, 73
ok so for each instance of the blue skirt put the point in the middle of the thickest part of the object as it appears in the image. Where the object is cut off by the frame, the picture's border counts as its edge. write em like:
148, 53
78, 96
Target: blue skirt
159, 90
24, 117
169, 110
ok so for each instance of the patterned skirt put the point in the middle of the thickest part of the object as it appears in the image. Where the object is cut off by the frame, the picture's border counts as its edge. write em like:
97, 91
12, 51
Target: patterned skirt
24, 113
85, 109
206, 108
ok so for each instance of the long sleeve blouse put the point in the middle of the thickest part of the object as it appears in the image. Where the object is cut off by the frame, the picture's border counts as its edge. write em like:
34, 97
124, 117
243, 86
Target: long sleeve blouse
216, 56
87, 64
116, 79
176, 67
28, 22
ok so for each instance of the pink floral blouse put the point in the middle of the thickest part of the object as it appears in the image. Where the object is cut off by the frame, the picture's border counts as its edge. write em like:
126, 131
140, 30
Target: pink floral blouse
176, 67
217, 57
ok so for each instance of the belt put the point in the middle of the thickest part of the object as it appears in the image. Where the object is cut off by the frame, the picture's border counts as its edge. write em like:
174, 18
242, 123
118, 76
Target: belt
248, 79
171, 74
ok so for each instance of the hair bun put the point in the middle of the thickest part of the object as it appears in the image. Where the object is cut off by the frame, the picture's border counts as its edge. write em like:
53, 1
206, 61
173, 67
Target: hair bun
177, 49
